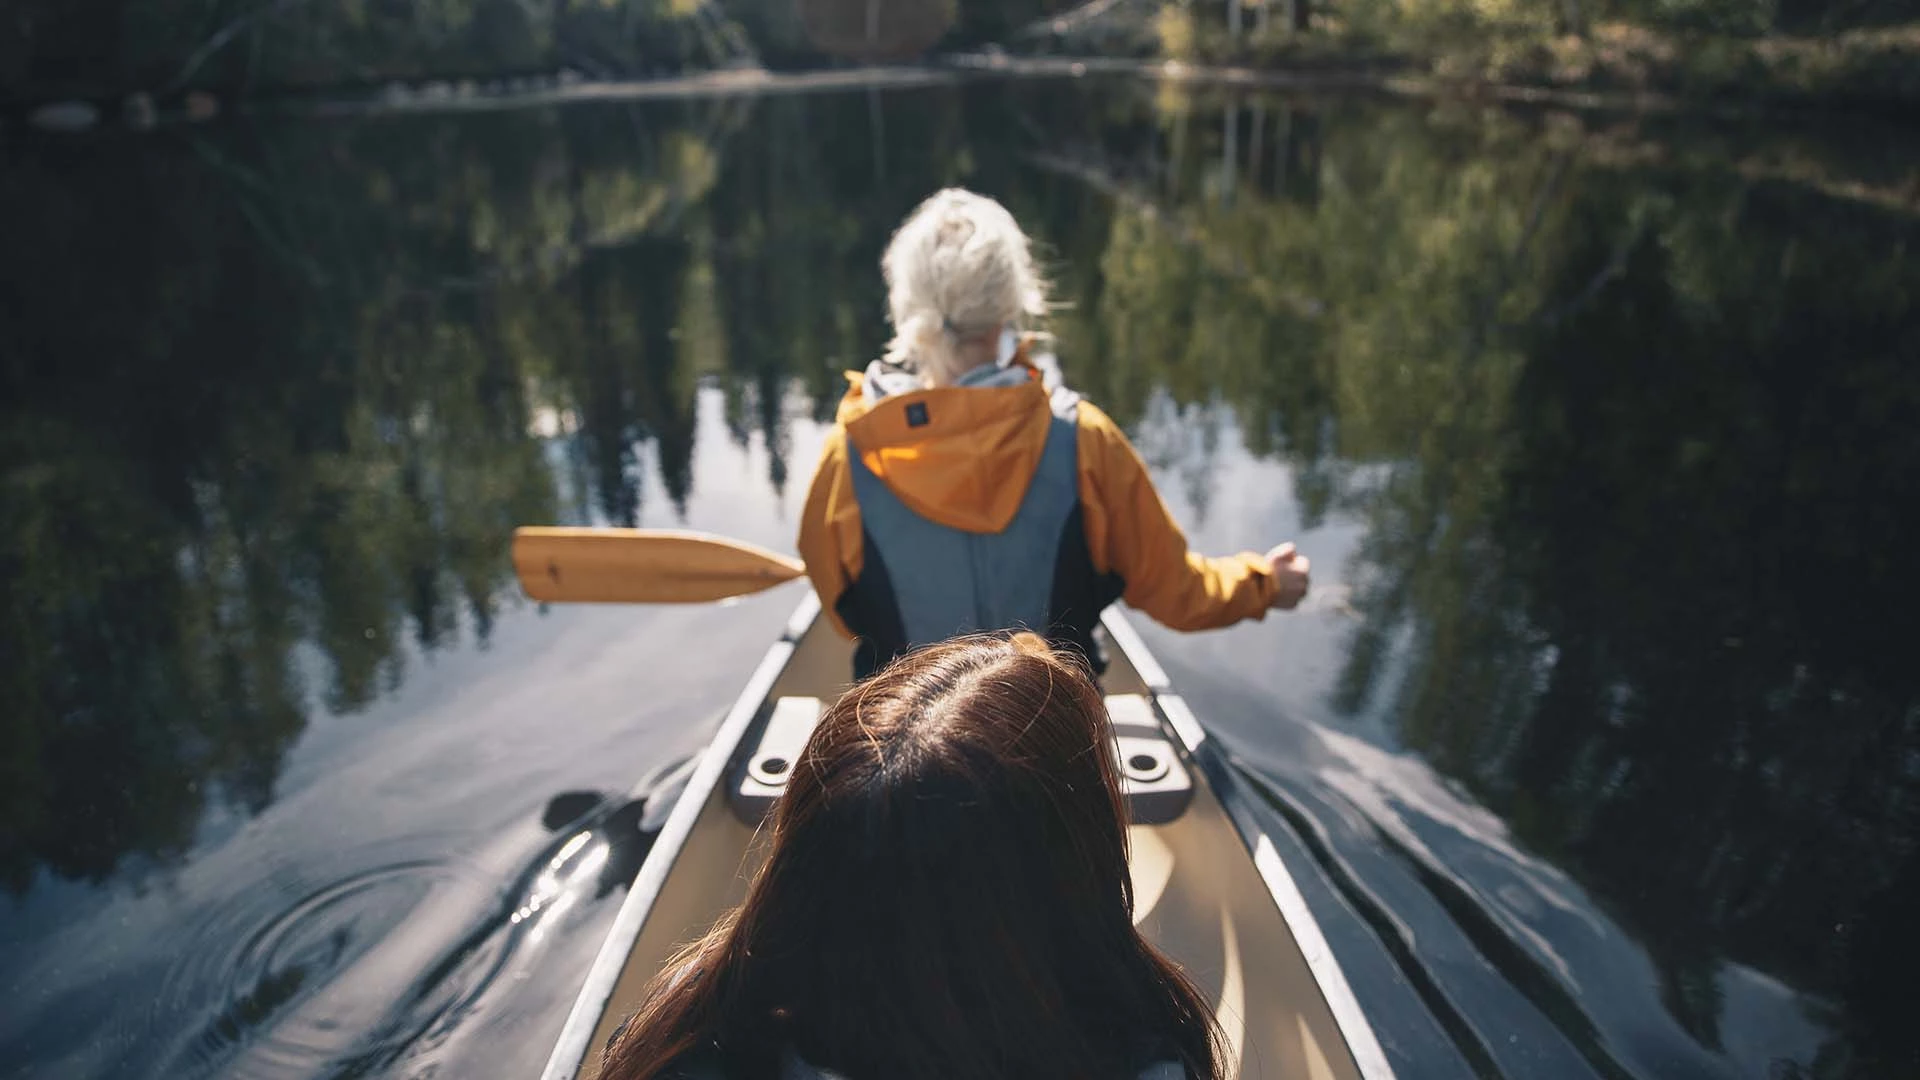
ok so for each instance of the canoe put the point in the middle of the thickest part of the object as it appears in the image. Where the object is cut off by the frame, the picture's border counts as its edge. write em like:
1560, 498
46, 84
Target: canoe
1209, 885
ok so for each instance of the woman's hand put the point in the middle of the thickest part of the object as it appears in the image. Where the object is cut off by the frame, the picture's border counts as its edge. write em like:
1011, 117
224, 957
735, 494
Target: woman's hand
1289, 568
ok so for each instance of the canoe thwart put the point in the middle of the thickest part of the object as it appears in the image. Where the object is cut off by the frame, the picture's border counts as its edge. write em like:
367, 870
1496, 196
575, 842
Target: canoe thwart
1158, 786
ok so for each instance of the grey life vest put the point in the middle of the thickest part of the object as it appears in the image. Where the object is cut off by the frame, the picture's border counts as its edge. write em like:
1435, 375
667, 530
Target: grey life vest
948, 581
924, 582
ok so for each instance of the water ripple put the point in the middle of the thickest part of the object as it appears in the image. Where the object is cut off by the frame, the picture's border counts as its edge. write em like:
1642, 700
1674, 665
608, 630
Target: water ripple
280, 1007
308, 989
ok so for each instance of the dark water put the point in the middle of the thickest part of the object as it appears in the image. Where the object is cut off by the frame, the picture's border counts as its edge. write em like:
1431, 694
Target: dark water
1598, 744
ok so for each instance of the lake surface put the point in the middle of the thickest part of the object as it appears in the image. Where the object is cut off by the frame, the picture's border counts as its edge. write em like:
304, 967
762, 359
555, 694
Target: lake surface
1597, 749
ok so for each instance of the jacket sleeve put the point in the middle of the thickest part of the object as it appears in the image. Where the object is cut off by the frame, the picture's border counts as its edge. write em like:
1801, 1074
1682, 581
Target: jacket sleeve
830, 533
1131, 534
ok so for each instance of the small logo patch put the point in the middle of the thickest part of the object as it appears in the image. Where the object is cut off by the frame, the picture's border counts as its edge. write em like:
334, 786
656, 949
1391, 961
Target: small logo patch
917, 414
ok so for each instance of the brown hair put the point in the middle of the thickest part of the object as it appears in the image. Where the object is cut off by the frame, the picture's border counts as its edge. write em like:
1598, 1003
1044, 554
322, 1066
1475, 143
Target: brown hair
946, 895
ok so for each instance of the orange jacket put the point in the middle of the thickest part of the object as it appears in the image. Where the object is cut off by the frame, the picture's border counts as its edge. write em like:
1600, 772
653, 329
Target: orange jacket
967, 466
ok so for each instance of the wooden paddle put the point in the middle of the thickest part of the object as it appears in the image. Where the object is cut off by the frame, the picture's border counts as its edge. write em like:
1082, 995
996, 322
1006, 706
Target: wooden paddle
562, 564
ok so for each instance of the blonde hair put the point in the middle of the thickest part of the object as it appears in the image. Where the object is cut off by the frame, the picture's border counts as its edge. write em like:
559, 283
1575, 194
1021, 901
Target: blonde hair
958, 268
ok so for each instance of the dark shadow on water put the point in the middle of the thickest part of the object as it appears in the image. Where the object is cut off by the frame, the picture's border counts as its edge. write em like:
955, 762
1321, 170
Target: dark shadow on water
1621, 420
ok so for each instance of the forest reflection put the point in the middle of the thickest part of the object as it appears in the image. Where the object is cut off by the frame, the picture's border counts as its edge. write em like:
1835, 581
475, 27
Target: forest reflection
1629, 416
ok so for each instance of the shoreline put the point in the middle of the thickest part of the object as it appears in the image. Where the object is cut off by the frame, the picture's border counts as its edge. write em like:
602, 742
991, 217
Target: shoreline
1404, 82
1620, 66
1355, 72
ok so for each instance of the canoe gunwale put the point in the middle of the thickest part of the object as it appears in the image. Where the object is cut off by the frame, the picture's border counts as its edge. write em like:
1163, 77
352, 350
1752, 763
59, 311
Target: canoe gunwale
1215, 763
603, 977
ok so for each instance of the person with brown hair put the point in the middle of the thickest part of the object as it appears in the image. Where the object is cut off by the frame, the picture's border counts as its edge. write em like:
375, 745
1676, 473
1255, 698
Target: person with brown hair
945, 895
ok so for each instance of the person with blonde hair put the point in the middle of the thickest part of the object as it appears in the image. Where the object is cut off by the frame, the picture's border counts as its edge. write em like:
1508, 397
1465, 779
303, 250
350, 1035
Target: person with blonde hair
963, 489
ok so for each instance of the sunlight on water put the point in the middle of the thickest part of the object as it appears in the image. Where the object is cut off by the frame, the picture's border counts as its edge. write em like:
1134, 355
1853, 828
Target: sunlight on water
1581, 769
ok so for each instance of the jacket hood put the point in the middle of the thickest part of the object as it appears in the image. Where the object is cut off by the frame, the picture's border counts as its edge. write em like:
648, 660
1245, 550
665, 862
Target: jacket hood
960, 455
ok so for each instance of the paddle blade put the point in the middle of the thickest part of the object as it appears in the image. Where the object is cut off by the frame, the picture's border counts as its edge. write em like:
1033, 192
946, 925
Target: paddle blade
559, 564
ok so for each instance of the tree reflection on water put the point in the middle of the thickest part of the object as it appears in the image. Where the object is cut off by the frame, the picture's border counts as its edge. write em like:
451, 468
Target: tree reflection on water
1628, 416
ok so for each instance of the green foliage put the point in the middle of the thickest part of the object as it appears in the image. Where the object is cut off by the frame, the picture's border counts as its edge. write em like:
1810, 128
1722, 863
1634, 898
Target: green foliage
300, 413
1754, 53
266, 46
1624, 420
1584, 395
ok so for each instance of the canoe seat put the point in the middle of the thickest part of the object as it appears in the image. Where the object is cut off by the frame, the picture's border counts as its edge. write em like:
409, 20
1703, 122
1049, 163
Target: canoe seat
1158, 785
